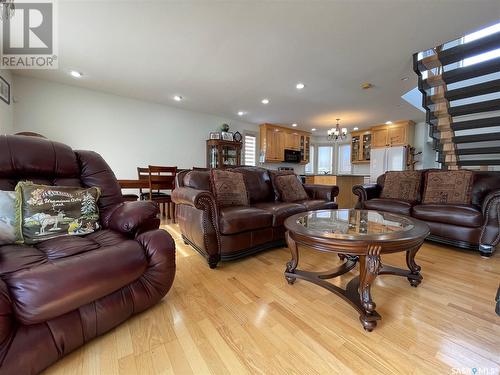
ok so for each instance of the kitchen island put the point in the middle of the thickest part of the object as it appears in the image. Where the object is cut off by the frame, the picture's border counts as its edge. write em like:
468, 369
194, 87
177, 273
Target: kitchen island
345, 182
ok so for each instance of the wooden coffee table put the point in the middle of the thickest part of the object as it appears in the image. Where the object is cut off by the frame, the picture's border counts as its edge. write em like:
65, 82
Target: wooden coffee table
357, 236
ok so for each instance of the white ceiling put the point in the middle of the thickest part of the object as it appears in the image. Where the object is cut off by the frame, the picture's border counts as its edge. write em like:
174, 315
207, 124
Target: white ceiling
225, 56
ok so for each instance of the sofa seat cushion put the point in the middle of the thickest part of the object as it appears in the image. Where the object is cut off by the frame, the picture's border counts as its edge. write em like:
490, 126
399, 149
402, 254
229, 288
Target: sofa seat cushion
312, 205
460, 215
395, 206
239, 219
280, 210
59, 275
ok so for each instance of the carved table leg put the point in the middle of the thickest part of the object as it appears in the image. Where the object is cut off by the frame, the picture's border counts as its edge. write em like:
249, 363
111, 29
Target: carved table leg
292, 264
415, 277
369, 266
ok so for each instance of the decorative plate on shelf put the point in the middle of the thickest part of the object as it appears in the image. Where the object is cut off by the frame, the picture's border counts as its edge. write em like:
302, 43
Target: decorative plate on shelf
237, 137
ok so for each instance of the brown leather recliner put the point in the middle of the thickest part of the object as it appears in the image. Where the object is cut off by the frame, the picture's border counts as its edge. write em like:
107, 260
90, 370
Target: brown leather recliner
475, 226
233, 232
59, 294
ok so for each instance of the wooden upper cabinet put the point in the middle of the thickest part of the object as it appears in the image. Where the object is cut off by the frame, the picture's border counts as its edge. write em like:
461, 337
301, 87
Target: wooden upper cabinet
379, 137
274, 139
361, 143
292, 141
396, 134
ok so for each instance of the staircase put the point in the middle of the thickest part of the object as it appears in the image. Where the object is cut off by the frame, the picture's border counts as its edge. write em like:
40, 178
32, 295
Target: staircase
462, 101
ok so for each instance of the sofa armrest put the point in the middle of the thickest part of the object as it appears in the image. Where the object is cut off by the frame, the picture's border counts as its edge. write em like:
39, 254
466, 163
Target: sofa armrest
490, 234
325, 192
193, 197
367, 191
134, 217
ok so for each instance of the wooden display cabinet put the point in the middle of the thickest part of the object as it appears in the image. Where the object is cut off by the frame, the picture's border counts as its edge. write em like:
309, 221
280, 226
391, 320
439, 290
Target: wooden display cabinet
223, 154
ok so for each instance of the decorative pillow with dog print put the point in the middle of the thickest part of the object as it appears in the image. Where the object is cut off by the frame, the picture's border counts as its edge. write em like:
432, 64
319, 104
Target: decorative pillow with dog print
7, 217
45, 212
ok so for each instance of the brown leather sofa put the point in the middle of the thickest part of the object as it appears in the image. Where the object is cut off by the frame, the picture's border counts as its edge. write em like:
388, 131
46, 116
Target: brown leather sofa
232, 232
61, 293
475, 226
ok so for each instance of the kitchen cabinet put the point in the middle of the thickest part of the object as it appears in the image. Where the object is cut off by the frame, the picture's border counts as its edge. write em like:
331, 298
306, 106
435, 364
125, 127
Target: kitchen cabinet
274, 139
360, 147
397, 134
292, 141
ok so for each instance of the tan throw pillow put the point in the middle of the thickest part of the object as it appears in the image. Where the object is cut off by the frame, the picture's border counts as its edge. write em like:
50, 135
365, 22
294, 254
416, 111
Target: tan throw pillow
403, 185
448, 187
290, 188
45, 212
229, 188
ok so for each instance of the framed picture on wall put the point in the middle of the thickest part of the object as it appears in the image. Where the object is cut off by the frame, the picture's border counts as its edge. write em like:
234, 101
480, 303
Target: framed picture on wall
214, 135
227, 136
4, 90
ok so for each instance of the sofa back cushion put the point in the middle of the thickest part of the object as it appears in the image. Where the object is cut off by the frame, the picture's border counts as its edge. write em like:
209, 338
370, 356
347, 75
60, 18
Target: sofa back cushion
402, 185
258, 182
290, 188
229, 188
448, 187
199, 180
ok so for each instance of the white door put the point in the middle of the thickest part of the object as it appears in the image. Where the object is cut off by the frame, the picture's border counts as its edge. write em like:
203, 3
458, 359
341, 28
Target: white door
396, 158
378, 163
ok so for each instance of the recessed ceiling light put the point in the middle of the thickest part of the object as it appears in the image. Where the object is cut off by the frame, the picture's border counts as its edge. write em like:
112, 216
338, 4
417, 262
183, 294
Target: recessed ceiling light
355, 128
241, 113
178, 98
388, 122
265, 101
406, 78
294, 125
300, 86
313, 129
76, 74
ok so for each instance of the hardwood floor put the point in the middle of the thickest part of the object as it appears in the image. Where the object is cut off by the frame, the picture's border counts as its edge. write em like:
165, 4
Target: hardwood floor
243, 318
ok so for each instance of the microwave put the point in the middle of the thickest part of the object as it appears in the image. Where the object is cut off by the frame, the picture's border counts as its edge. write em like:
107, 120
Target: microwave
293, 156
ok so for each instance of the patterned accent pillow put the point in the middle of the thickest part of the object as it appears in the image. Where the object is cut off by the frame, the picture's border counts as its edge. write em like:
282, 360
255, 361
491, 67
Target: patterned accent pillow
229, 188
448, 187
273, 174
403, 185
290, 188
7, 217
45, 212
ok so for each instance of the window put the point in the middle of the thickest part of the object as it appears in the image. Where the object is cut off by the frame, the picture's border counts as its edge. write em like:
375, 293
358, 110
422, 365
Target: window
249, 152
325, 159
344, 159
310, 165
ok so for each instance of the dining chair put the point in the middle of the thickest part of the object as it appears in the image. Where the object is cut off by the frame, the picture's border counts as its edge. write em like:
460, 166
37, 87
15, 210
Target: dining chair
143, 174
162, 179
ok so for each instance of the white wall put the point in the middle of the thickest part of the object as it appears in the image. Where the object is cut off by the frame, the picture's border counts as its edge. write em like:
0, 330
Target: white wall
128, 133
423, 144
7, 111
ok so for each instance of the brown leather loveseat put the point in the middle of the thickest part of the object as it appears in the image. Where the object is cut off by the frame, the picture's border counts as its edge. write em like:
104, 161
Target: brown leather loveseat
59, 294
232, 232
475, 225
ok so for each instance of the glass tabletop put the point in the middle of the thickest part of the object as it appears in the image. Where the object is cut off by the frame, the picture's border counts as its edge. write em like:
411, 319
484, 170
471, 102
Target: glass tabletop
350, 223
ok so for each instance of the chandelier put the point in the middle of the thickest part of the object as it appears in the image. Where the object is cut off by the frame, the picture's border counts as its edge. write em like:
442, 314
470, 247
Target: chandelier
7, 9
337, 134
